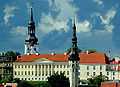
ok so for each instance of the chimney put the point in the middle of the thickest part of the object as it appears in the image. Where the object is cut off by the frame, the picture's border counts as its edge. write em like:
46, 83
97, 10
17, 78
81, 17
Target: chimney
87, 52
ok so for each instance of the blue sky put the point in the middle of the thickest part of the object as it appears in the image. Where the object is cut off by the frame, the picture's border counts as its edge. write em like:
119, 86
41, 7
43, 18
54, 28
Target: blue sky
97, 21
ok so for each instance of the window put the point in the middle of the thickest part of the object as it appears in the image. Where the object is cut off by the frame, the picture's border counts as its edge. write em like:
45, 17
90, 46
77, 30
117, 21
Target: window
57, 66
93, 73
67, 72
93, 67
28, 66
22, 66
87, 67
39, 66
113, 78
32, 72
46, 66
87, 73
18, 66
25, 66
113, 73
100, 73
21, 72
28, 72
25, 73
107, 73
50, 66
60, 66
100, 67
15, 73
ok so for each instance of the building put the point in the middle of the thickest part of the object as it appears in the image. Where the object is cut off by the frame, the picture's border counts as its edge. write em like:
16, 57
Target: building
77, 66
39, 67
110, 84
6, 67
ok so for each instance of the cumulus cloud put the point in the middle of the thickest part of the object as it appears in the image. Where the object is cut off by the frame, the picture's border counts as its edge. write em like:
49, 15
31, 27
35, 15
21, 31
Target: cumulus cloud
65, 10
84, 26
19, 31
106, 19
99, 2
48, 23
8, 13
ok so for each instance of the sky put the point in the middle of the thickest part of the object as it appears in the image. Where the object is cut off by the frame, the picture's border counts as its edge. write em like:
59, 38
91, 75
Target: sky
97, 22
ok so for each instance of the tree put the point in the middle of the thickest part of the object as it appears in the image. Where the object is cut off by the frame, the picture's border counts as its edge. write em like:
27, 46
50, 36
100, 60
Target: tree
57, 80
24, 84
16, 80
12, 54
96, 81
42, 84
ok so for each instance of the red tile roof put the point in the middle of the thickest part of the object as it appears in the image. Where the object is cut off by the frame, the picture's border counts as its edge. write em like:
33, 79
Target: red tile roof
91, 58
110, 84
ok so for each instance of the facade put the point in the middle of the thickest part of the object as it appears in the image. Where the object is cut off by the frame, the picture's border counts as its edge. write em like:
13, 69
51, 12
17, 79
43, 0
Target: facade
6, 67
39, 67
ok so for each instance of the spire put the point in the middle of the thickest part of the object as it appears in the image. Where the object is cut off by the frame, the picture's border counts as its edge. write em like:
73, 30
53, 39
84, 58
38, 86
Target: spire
31, 14
31, 40
74, 37
74, 55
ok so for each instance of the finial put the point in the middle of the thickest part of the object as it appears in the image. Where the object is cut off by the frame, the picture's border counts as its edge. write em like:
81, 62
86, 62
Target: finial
31, 14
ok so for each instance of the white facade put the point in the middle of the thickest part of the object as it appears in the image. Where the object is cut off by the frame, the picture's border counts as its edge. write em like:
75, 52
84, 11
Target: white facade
39, 70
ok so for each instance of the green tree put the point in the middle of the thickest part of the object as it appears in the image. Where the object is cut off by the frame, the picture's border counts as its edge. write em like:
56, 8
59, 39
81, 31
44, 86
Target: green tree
12, 54
24, 84
96, 81
58, 80
16, 80
42, 84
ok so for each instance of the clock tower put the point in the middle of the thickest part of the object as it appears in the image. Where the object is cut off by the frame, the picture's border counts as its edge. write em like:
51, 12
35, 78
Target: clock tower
73, 59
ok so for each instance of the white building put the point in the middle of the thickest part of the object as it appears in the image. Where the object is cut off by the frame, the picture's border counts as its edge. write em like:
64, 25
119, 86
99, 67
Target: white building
39, 67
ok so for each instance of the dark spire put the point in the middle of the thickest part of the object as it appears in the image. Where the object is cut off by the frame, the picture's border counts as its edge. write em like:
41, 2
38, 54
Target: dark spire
31, 14
32, 39
74, 37
74, 55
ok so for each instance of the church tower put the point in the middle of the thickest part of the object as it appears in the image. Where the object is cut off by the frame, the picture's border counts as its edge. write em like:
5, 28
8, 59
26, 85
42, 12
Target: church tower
73, 59
32, 41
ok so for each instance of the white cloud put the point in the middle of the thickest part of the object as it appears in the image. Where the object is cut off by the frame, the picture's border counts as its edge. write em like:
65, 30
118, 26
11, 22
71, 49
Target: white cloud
99, 2
19, 31
84, 26
48, 23
109, 28
9, 13
106, 19
65, 10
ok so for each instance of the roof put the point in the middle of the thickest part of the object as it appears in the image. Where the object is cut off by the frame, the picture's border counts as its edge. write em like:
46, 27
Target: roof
91, 58
110, 84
